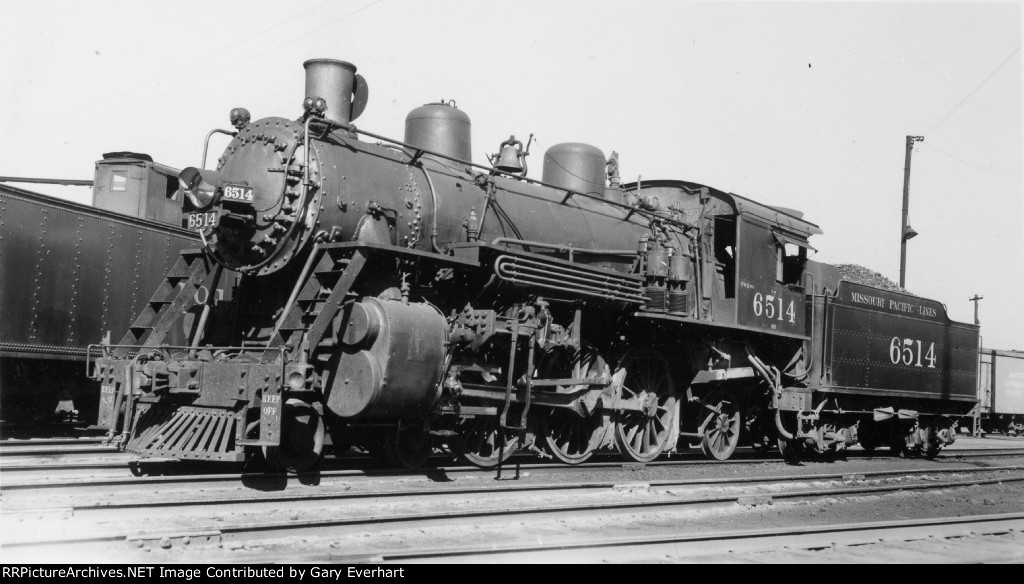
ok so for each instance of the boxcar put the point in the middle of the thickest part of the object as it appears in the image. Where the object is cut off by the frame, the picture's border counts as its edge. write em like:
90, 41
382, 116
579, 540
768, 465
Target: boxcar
1000, 392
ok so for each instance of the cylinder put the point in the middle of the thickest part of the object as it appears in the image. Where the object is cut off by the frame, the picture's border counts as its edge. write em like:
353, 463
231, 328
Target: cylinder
334, 81
440, 128
390, 359
576, 167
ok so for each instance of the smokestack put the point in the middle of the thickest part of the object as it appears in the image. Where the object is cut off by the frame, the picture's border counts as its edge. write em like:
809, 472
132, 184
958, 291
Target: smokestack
335, 82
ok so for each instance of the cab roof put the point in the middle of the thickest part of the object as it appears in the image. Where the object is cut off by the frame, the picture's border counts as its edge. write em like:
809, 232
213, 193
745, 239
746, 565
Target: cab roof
778, 217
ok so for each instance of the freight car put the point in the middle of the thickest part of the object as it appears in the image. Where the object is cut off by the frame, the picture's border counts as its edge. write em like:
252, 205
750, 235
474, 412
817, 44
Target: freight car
71, 273
395, 295
1000, 393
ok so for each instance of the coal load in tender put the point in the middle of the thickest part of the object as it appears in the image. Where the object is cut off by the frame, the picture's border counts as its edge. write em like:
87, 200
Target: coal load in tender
868, 277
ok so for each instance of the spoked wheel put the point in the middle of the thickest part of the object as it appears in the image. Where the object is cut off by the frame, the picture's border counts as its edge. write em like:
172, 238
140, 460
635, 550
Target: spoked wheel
570, 437
478, 441
640, 436
722, 433
570, 434
408, 447
302, 439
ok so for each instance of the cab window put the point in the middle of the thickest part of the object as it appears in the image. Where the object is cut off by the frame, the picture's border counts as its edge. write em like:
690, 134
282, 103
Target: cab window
725, 256
789, 263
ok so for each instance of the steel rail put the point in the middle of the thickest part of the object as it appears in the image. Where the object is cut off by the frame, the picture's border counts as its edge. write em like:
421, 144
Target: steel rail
449, 553
48, 442
50, 451
302, 526
689, 457
261, 497
233, 475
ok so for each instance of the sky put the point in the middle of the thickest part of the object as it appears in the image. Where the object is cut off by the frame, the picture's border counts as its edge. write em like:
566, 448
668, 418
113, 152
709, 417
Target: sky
801, 105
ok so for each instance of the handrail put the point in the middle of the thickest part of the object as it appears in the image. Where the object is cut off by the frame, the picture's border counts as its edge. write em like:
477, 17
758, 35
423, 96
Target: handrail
206, 143
105, 348
47, 181
562, 247
632, 208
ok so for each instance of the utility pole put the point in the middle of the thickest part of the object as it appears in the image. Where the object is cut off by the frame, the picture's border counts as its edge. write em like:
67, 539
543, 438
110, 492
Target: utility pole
906, 231
975, 301
977, 407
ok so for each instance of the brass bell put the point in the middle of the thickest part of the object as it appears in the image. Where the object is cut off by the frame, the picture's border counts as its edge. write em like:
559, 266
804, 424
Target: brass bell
508, 160
511, 157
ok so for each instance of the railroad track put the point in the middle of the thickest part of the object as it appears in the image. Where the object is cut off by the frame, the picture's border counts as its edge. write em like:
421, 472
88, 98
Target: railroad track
52, 447
50, 468
340, 487
21, 442
230, 523
996, 538
47, 473
72, 450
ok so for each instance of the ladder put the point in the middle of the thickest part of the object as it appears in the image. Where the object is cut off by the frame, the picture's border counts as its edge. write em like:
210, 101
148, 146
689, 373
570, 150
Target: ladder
318, 295
176, 293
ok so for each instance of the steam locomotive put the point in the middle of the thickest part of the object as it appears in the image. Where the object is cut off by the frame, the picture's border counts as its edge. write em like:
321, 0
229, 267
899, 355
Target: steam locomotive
397, 296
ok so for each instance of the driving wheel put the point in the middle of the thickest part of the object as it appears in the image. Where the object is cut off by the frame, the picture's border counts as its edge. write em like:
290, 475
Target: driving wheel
640, 436
572, 435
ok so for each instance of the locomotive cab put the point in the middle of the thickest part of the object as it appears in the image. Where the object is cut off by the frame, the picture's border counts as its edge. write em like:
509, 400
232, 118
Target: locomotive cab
772, 255
751, 257
132, 184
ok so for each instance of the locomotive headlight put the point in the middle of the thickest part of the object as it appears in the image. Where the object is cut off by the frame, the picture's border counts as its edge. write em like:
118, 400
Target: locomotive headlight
200, 186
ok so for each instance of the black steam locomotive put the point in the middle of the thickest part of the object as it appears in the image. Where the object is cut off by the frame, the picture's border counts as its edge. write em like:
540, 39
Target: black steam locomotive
396, 296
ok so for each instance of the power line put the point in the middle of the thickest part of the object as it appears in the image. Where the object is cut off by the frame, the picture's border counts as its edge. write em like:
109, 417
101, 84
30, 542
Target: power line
973, 91
991, 169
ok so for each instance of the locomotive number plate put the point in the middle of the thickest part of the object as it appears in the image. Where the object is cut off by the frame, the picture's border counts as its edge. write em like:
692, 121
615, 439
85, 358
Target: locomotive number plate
202, 220
238, 193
